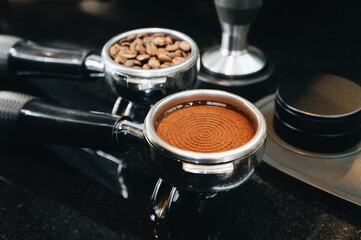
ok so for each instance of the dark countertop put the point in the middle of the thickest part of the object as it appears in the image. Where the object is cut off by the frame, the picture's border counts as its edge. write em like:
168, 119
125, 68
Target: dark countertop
56, 192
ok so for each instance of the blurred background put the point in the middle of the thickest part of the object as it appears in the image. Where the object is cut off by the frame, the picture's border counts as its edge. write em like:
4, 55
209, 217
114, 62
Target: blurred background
297, 35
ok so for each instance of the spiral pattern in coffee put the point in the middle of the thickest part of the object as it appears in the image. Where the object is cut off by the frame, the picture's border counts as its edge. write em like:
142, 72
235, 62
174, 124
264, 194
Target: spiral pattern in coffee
205, 129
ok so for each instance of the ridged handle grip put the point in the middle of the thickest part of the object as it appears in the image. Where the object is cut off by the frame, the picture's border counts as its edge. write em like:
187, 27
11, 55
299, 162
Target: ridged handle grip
11, 104
6, 43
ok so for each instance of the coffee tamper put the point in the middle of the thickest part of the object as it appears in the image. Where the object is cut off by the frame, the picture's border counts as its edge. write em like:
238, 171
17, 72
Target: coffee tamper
235, 66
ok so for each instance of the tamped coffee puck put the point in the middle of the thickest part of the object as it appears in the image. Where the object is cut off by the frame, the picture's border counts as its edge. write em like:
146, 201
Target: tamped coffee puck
321, 113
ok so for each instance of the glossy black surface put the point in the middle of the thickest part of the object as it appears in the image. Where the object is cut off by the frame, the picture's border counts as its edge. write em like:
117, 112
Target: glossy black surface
53, 192
43, 122
26, 59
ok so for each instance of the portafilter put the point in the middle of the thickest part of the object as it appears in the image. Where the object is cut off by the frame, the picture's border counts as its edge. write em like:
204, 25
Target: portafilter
139, 86
27, 118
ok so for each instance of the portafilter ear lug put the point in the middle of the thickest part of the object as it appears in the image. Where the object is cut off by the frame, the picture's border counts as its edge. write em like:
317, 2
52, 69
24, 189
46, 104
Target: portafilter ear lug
128, 134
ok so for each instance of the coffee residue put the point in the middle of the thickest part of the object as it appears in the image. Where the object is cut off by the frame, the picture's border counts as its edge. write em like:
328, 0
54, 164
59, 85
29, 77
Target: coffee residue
205, 128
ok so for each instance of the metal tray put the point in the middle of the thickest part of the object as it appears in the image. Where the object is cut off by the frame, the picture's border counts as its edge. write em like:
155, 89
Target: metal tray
337, 173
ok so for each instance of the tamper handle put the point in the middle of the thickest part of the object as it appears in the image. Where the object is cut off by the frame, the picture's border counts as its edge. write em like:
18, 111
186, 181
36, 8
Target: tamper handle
23, 57
237, 12
26, 118
235, 58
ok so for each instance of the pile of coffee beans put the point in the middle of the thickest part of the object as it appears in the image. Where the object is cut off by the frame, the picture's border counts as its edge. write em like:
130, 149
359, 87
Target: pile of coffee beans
149, 51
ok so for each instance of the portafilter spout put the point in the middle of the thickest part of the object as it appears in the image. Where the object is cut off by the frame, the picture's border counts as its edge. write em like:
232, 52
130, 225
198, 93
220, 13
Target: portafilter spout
27, 118
235, 58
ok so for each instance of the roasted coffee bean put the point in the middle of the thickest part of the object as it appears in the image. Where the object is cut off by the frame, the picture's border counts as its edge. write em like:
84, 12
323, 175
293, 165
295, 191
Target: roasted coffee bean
147, 40
128, 54
143, 57
129, 63
138, 41
154, 63
122, 40
168, 40
146, 66
125, 44
159, 41
131, 37
184, 54
132, 46
142, 35
158, 35
140, 48
177, 53
136, 62
161, 50
166, 64
171, 55
119, 59
113, 50
123, 48
163, 57
177, 60
172, 47
185, 46
149, 51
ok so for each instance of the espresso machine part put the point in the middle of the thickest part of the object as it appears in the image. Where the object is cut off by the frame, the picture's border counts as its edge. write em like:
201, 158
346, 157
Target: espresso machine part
137, 88
28, 119
236, 66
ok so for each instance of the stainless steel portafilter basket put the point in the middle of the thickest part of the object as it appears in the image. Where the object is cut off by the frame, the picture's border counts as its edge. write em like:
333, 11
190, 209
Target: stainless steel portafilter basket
141, 86
28, 118
204, 172
150, 85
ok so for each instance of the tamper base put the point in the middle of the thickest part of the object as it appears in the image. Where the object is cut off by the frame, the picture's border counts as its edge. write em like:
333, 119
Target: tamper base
240, 64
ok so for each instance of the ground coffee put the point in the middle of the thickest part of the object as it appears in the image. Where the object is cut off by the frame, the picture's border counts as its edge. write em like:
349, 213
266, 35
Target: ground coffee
205, 128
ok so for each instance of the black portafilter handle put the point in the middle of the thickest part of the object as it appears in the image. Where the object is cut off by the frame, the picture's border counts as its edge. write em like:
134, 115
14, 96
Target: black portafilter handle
237, 12
27, 119
23, 57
